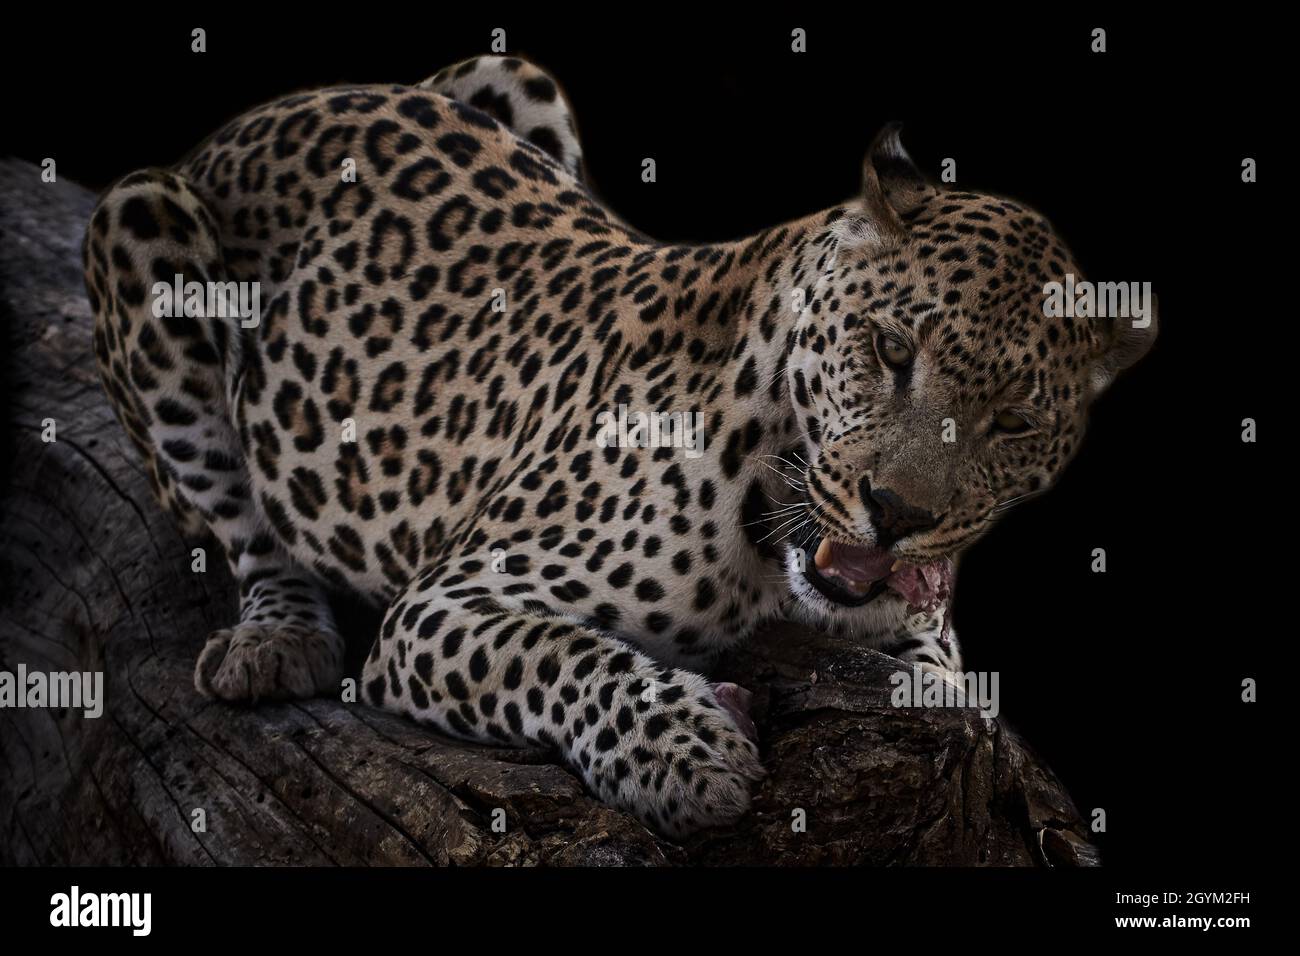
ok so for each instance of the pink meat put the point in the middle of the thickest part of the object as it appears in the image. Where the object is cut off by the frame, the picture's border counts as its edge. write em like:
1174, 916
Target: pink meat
927, 587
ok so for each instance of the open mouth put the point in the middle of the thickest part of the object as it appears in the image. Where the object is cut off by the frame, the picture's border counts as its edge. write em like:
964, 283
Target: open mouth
851, 575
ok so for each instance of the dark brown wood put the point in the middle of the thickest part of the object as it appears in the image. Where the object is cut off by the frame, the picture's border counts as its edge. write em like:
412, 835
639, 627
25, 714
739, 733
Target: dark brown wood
94, 577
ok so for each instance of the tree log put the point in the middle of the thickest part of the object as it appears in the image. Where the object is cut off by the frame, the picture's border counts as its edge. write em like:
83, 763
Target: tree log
93, 577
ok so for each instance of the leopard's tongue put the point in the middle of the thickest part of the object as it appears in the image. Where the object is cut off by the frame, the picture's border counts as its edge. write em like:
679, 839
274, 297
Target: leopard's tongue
858, 567
925, 587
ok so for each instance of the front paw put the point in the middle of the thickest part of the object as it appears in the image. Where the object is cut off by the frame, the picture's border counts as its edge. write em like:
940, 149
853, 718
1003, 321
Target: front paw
253, 662
685, 761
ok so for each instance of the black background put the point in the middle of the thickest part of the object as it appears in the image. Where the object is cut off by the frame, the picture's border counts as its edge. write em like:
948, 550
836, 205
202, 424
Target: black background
1128, 681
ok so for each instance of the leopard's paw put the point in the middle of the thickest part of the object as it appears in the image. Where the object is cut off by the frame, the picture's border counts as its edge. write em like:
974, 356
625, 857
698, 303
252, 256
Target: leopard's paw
687, 763
253, 662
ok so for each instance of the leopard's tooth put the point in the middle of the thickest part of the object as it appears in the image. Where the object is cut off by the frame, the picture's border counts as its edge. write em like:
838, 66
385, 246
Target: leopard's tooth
823, 557
897, 565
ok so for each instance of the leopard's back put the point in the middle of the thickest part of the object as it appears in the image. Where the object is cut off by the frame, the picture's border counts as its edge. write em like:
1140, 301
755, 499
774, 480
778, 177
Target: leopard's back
420, 308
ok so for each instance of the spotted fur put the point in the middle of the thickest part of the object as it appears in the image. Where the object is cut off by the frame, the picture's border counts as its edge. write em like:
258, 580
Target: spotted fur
541, 588
524, 98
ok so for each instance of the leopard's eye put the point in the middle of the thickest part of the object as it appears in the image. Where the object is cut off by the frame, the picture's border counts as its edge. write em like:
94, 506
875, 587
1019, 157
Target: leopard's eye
1010, 422
894, 352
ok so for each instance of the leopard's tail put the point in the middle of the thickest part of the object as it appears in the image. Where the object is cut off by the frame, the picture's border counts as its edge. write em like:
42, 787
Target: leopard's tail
522, 96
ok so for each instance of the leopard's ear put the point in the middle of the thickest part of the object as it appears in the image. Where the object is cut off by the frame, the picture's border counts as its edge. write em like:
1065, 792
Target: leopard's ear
903, 186
1129, 339
891, 187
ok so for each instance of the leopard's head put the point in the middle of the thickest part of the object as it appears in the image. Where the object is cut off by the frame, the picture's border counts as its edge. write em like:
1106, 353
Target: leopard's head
933, 386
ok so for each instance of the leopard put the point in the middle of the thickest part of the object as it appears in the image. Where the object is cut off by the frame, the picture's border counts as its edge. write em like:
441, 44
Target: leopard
571, 465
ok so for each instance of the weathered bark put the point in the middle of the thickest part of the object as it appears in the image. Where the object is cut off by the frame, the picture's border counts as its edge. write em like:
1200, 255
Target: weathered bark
93, 576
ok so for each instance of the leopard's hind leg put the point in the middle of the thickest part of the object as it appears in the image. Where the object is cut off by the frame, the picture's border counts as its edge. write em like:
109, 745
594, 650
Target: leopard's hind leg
170, 379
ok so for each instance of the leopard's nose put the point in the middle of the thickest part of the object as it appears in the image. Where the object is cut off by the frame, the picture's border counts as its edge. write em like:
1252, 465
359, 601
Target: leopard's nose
892, 516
